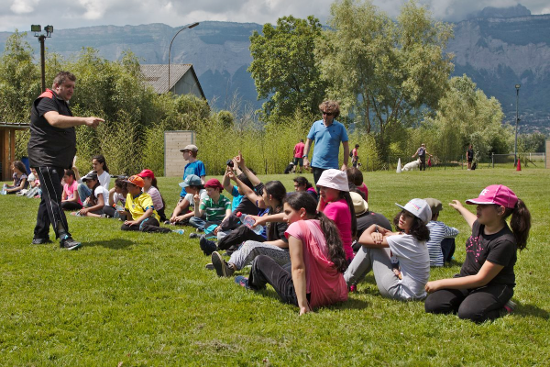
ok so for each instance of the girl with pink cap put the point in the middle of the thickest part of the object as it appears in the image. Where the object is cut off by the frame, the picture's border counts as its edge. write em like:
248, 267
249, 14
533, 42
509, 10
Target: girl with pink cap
484, 287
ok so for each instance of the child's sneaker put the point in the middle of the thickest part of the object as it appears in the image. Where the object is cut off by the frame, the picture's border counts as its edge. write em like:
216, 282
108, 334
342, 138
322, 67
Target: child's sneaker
69, 243
207, 246
221, 266
178, 231
209, 266
194, 235
510, 306
242, 281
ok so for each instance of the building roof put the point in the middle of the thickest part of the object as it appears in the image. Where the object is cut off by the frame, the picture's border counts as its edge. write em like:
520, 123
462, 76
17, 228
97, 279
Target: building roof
15, 125
157, 76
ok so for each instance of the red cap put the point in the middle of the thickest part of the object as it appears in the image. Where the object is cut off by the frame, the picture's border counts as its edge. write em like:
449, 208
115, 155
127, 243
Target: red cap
496, 194
214, 183
146, 173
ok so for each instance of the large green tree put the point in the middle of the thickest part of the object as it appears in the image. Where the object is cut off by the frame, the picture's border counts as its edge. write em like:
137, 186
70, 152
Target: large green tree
384, 71
466, 116
284, 67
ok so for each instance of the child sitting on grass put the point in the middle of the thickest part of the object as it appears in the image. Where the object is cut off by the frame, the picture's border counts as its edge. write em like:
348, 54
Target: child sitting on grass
34, 185
19, 179
70, 200
485, 285
184, 211
355, 176
441, 245
117, 199
317, 259
93, 205
150, 187
379, 246
139, 207
216, 208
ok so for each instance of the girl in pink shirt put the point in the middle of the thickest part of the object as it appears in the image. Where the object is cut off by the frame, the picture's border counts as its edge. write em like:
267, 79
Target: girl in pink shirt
317, 259
337, 205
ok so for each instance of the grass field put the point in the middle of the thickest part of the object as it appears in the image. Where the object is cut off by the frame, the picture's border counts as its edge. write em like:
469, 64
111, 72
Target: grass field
137, 299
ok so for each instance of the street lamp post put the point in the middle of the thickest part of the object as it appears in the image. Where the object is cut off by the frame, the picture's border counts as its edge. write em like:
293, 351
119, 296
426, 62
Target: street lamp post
170, 48
517, 122
37, 29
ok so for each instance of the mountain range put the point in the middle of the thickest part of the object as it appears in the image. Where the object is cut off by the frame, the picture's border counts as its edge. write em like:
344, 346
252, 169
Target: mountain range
497, 49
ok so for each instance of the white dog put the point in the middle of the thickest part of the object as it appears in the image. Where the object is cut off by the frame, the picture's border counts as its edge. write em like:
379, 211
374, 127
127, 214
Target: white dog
411, 165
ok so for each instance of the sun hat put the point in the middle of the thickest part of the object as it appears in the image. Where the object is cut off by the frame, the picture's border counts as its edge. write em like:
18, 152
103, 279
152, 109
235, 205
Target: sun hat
334, 179
92, 175
495, 194
190, 147
419, 208
146, 173
191, 180
435, 205
214, 183
359, 204
135, 180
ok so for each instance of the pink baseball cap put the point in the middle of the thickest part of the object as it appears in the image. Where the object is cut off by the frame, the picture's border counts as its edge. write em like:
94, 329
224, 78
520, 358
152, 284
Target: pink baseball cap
497, 195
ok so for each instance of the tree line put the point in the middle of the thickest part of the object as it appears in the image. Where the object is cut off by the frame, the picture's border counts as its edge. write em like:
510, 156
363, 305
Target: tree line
391, 77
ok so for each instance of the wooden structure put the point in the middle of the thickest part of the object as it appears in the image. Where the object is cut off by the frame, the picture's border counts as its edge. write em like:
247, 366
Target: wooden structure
7, 146
174, 141
547, 152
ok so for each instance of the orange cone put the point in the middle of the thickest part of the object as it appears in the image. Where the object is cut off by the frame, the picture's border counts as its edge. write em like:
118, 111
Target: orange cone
518, 167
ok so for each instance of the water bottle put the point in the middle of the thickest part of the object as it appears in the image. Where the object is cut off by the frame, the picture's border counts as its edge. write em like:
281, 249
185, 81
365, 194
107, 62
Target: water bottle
249, 222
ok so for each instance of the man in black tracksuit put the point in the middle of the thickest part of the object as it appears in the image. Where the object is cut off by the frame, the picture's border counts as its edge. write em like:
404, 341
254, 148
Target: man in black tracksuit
51, 149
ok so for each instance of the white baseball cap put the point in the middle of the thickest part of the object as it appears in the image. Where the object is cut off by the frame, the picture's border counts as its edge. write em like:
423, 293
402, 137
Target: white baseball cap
419, 208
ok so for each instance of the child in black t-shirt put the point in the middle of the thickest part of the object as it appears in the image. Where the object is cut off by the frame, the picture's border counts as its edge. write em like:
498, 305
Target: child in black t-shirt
485, 284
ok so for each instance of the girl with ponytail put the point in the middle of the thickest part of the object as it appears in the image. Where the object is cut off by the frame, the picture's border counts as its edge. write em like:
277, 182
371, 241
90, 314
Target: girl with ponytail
317, 257
484, 287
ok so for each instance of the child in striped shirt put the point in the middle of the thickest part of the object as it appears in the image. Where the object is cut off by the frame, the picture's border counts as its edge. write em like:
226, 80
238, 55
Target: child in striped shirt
441, 245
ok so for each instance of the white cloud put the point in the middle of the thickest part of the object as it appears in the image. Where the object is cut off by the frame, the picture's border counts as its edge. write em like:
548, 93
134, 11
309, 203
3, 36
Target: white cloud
23, 6
64, 14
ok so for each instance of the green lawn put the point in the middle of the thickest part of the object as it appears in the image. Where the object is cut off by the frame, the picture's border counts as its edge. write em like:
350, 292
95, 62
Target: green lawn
146, 299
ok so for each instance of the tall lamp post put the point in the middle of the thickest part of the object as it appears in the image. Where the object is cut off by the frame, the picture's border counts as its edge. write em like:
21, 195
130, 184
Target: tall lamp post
37, 29
170, 48
517, 122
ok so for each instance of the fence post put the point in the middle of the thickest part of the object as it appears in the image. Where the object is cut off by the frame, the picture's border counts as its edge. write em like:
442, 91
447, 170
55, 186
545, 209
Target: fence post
367, 166
493, 159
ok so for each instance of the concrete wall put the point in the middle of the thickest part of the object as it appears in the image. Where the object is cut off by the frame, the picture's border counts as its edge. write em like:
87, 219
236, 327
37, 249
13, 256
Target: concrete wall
173, 158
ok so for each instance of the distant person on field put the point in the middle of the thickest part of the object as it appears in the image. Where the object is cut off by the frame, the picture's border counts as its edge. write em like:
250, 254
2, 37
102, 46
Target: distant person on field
194, 167
52, 147
20, 176
441, 245
298, 155
99, 166
485, 285
421, 153
470, 156
70, 200
327, 134
355, 156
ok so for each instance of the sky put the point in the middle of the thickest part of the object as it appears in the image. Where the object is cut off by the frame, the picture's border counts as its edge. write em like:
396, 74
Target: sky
67, 14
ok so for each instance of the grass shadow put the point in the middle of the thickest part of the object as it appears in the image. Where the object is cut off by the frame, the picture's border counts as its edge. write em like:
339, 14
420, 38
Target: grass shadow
114, 244
531, 310
352, 303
